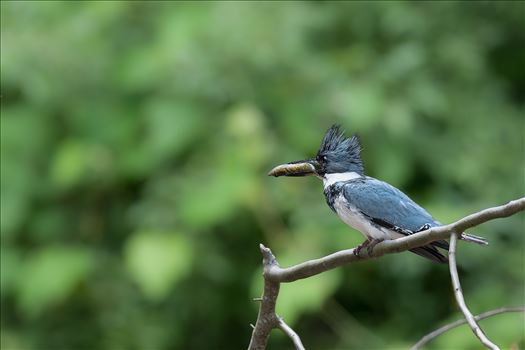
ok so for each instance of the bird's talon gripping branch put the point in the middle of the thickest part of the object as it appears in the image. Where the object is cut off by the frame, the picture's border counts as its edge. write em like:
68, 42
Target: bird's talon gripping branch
359, 248
367, 246
371, 245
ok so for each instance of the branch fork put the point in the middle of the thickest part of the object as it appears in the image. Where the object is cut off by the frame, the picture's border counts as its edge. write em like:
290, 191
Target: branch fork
274, 275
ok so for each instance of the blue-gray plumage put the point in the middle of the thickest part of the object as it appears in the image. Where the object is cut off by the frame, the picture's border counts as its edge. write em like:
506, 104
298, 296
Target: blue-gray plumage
386, 205
373, 207
387, 209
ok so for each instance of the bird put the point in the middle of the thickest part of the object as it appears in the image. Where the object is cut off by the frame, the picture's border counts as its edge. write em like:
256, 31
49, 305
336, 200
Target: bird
373, 207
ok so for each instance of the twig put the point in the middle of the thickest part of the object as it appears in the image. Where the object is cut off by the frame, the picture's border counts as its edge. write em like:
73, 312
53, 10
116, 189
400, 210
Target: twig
291, 334
459, 322
458, 293
274, 275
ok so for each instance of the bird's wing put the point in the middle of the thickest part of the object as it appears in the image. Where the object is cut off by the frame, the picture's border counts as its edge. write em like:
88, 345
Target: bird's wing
390, 208
387, 206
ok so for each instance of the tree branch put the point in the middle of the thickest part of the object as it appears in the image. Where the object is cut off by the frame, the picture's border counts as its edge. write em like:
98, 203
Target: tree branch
273, 274
459, 322
343, 257
458, 293
291, 334
267, 318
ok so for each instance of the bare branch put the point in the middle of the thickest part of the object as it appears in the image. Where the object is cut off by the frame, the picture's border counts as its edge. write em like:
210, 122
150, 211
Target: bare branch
267, 319
459, 295
343, 257
459, 322
291, 334
274, 275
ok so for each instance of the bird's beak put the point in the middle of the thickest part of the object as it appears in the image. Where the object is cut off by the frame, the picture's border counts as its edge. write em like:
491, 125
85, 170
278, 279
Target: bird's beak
298, 168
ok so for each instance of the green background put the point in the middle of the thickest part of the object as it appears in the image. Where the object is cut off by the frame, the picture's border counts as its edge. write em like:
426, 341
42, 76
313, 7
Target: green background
136, 138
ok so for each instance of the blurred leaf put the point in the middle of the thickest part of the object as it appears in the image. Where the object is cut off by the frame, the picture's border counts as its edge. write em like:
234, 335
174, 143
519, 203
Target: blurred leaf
157, 261
77, 162
13, 210
307, 295
49, 223
24, 139
223, 178
9, 268
361, 104
170, 126
13, 340
246, 125
70, 164
213, 194
50, 275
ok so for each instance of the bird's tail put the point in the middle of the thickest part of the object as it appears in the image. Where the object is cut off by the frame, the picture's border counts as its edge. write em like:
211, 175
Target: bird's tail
431, 252
473, 238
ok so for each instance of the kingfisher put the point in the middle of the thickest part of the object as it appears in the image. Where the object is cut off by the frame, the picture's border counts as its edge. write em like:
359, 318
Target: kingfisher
375, 208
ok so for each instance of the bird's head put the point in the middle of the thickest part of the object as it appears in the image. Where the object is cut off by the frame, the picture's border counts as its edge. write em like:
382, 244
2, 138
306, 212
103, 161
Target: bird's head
337, 154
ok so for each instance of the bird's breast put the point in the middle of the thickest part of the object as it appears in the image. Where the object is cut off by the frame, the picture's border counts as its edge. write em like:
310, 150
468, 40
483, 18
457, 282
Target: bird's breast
355, 219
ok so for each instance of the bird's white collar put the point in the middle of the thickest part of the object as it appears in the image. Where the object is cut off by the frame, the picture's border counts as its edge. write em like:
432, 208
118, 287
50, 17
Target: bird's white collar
330, 179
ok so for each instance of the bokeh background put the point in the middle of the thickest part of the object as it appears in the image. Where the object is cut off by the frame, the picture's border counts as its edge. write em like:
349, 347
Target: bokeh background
136, 138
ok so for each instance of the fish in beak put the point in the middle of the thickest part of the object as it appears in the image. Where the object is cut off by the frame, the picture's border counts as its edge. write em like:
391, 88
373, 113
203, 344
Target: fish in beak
298, 168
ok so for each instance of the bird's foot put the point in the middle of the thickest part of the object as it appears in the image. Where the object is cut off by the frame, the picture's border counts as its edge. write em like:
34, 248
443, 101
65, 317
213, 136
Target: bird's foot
357, 250
369, 245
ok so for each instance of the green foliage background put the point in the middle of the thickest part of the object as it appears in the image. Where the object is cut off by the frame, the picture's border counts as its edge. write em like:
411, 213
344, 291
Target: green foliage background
136, 138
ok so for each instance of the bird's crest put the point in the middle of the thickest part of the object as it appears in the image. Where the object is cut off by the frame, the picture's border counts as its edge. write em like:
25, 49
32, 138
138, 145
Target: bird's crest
342, 154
